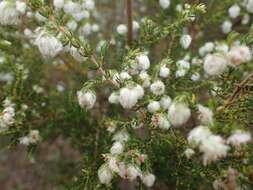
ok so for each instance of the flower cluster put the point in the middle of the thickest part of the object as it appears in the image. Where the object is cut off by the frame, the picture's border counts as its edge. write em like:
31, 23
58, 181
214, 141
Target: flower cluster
242, 11
32, 138
7, 115
10, 11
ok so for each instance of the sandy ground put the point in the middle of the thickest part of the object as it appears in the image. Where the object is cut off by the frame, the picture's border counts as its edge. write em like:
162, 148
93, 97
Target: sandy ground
17, 172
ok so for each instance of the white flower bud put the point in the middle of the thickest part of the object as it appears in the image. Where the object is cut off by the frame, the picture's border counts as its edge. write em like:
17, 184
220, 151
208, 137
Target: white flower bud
239, 137
8, 13
185, 41
143, 62
58, 4
163, 122
121, 29
205, 115
136, 26
24, 141
128, 97
178, 114
148, 179
239, 54
180, 73
86, 98
153, 106
132, 172
48, 45
249, 6
165, 102
189, 153
226, 26
145, 79
117, 148
234, 11
114, 98
198, 134
89, 4
34, 136
215, 64
195, 77
164, 3
157, 87
105, 175
21, 6
164, 71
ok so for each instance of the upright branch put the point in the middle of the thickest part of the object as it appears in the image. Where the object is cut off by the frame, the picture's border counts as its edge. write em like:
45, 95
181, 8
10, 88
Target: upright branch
129, 22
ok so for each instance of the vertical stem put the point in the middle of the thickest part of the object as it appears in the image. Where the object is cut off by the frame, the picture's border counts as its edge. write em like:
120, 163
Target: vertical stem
129, 22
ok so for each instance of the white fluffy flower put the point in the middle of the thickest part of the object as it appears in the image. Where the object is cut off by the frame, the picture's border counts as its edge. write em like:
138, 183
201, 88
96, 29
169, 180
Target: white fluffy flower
213, 148
205, 115
183, 64
114, 98
145, 78
234, 11
226, 26
48, 45
215, 64
129, 96
239, 137
164, 3
139, 91
249, 6
239, 54
189, 153
8, 115
136, 26
165, 102
245, 19
86, 98
164, 71
148, 179
124, 76
178, 114
185, 41
113, 164
198, 134
195, 77
121, 29
132, 172
222, 48
86, 29
105, 174
24, 141
117, 148
95, 27
143, 62
8, 13
34, 136
163, 122
21, 6
71, 7
153, 106
58, 4
157, 87
207, 48
121, 136
180, 73
89, 4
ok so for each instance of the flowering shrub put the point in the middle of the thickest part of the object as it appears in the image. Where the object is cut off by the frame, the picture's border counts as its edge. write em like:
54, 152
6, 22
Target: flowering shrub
159, 101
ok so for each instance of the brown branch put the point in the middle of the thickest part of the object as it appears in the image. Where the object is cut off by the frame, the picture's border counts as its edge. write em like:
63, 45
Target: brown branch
237, 91
129, 22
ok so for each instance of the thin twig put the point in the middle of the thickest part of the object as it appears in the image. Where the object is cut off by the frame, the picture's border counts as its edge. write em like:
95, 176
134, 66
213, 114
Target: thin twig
129, 22
237, 90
